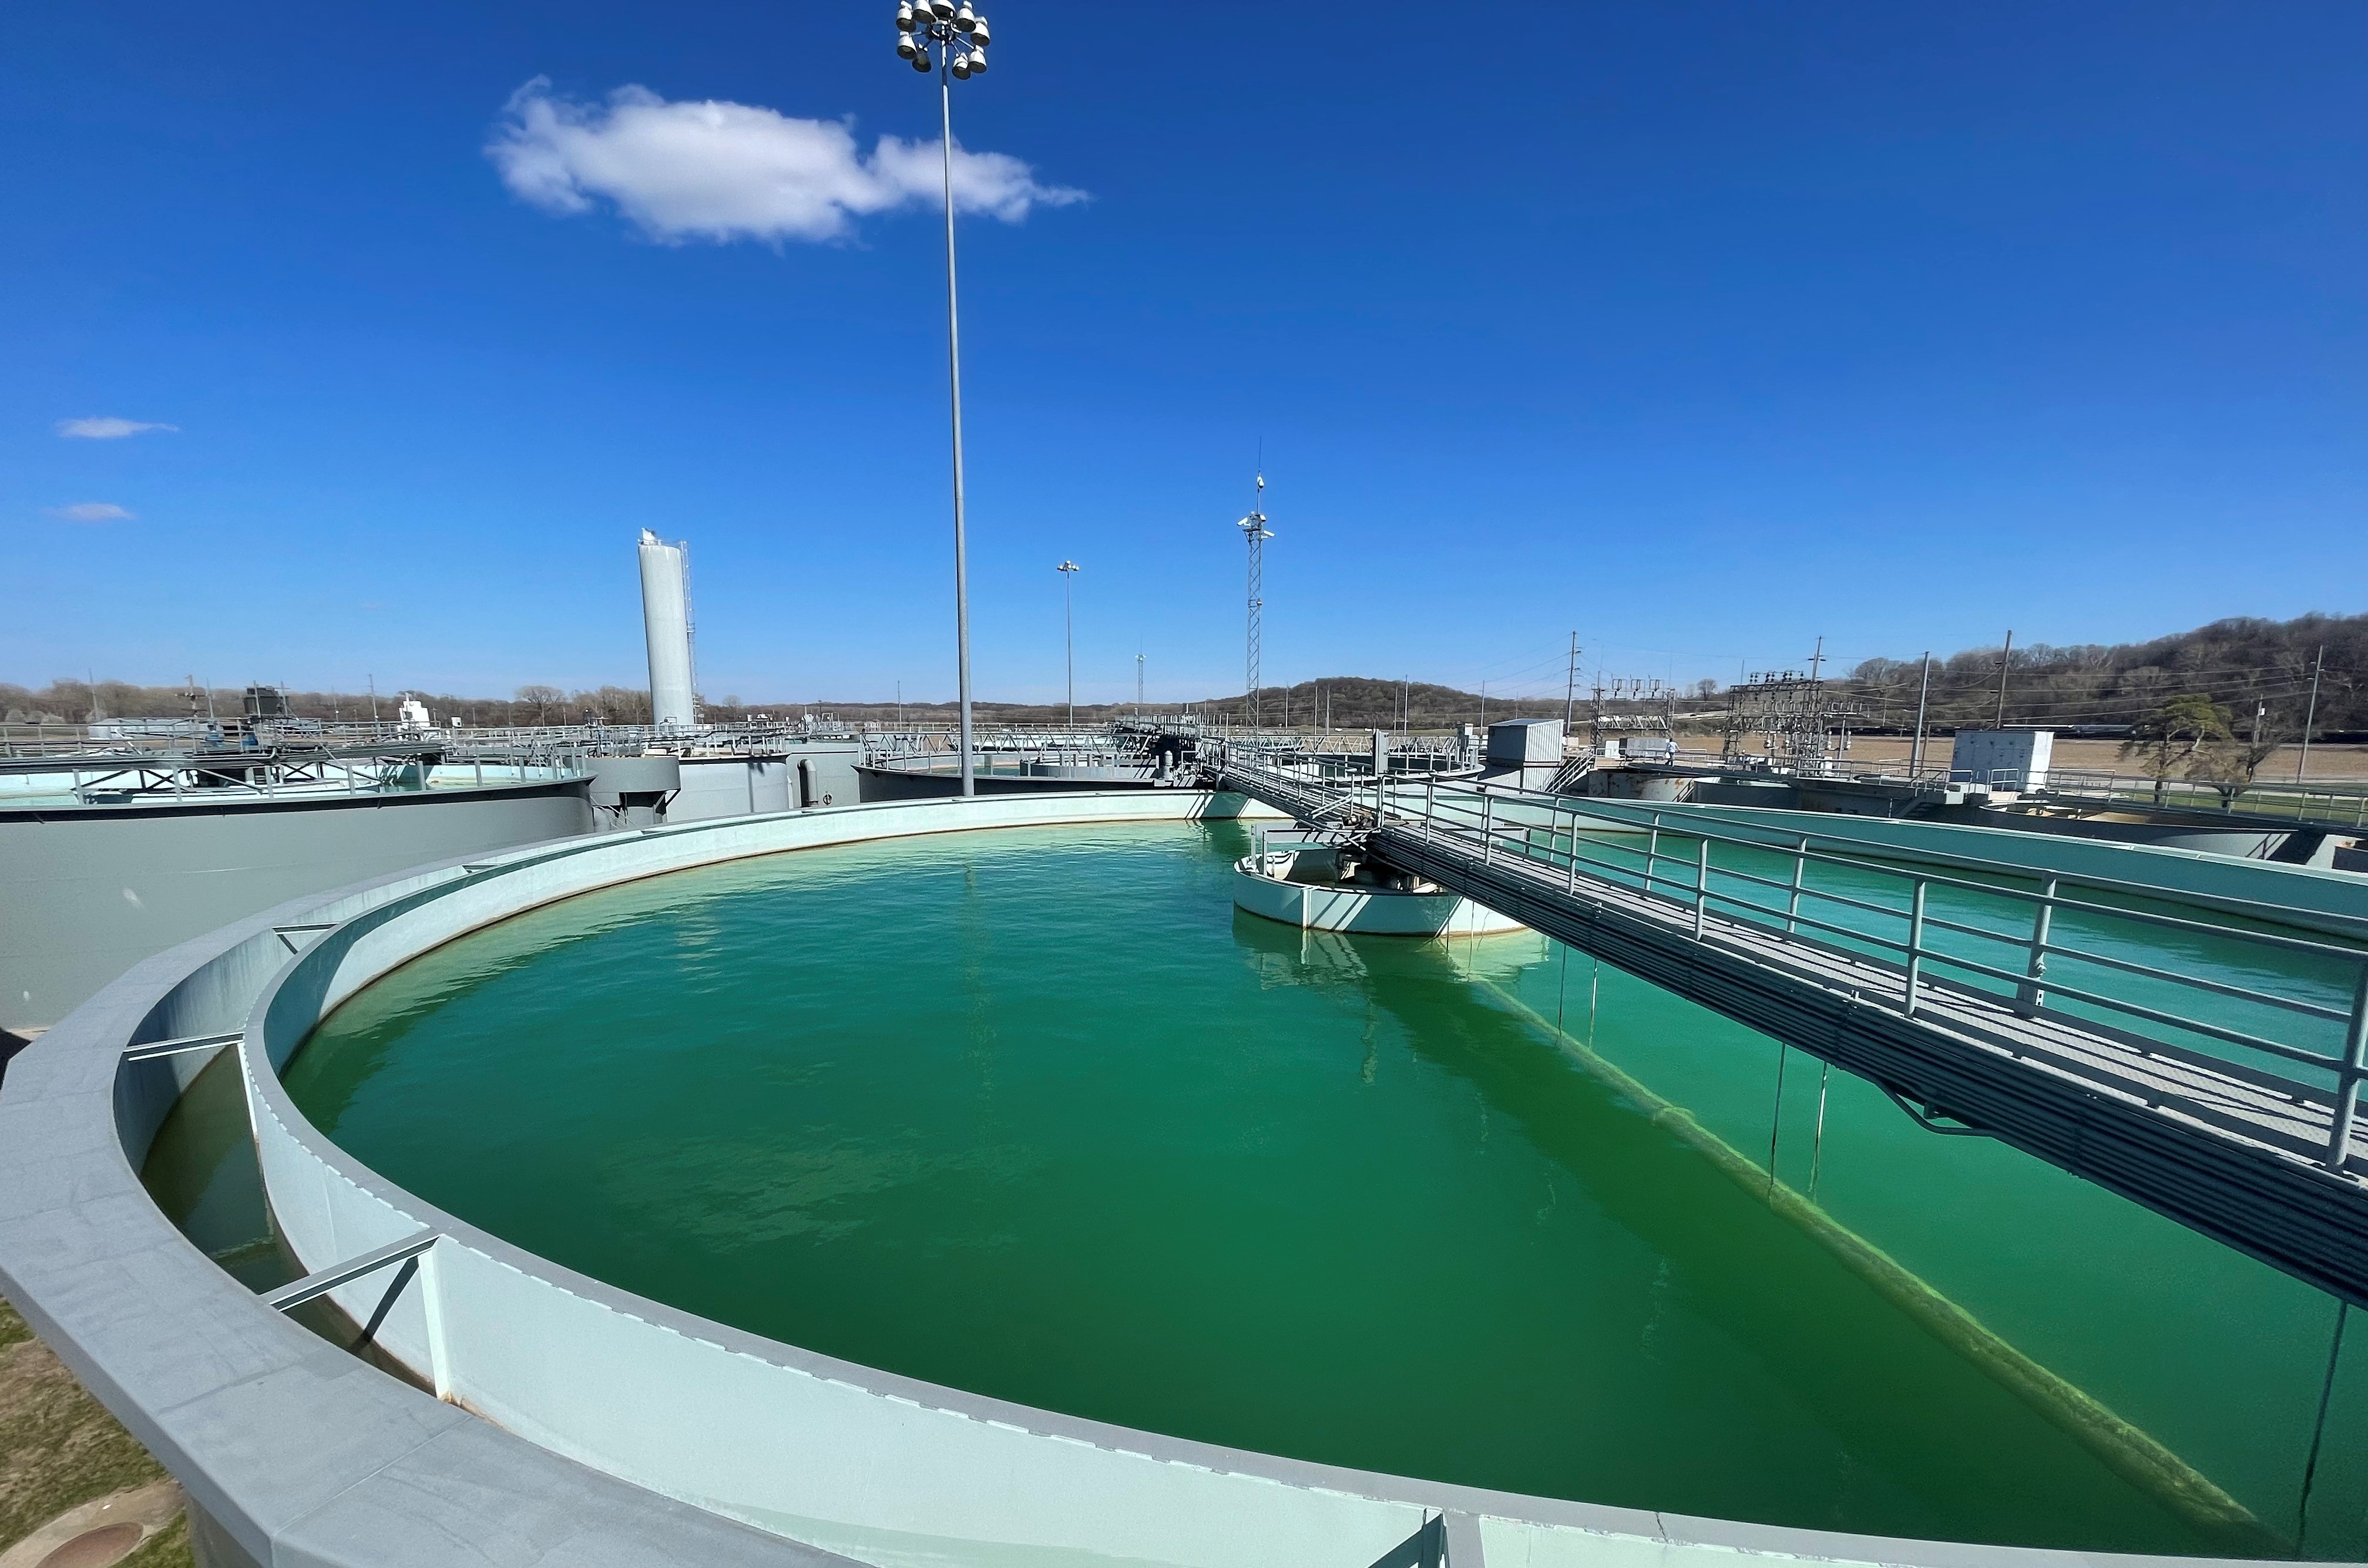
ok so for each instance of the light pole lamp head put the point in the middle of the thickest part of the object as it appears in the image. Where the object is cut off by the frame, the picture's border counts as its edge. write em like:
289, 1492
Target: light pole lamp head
904, 16
964, 17
1068, 566
943, 10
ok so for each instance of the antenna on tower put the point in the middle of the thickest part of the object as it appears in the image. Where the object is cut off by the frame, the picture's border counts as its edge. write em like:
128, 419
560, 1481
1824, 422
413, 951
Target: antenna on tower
1256, 533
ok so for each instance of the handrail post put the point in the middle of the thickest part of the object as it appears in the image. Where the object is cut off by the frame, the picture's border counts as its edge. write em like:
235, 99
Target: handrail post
2032, 997
1574, 851
1915, 943
1487, 826
1701, 881
2347, 1077
1793, 903
1652, 852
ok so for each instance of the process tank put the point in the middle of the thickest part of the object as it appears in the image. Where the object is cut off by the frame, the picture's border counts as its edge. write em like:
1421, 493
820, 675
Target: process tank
666, 622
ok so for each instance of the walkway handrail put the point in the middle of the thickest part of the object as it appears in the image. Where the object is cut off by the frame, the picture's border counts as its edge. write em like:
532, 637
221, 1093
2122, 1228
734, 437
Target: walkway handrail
1503, 825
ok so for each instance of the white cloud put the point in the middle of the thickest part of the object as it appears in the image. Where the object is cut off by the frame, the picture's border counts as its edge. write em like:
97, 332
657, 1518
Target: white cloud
92, 512
725, 171
108, 428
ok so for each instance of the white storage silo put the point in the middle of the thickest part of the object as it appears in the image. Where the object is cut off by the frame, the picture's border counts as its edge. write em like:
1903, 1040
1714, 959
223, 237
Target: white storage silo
665, 621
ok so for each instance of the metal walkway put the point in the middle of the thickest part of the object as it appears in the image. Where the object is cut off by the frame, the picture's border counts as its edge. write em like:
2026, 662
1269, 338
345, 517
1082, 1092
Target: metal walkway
2195, 1055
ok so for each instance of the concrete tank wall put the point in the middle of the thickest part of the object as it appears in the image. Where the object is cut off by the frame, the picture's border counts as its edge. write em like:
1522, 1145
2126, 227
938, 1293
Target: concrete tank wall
731, 787
86, 892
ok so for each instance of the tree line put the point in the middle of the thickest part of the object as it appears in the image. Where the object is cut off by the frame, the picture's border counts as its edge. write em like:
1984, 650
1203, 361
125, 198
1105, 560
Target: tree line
2240, 673
2250, 667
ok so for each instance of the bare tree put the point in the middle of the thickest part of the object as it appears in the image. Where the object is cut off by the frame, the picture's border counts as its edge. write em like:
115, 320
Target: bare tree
2171, 736
538, 703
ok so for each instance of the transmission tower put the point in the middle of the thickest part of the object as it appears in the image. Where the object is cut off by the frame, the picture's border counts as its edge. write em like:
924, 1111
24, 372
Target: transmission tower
1254, 531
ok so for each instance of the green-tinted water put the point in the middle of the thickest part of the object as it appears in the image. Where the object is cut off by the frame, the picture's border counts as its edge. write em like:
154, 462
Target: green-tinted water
1039, 1114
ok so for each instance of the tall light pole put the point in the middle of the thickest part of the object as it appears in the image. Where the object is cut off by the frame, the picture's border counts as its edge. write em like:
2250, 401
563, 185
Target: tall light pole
1068, 570
949, 39
1254, 531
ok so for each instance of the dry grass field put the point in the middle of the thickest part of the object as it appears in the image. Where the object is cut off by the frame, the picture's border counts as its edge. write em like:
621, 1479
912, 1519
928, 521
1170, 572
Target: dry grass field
59, 1448
2335, 762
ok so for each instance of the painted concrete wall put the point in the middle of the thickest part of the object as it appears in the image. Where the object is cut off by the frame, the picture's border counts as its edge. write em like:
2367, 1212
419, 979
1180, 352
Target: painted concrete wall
716, 787
86, 892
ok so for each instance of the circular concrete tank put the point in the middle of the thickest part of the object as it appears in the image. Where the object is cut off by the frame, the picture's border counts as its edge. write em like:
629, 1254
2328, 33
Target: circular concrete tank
1372, 1228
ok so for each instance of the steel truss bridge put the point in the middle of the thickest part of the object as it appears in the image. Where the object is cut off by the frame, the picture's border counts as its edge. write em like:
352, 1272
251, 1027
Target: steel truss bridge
2198, 1055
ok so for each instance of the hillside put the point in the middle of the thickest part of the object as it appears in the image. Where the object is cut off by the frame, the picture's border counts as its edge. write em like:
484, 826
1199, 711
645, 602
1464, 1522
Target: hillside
2239, 663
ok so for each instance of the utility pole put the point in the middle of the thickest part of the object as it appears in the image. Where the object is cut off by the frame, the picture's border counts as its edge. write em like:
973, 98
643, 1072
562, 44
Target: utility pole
1570, 686
2311, 717
2006, 663
1138, 681
373, 697
1817, 659
1923, 692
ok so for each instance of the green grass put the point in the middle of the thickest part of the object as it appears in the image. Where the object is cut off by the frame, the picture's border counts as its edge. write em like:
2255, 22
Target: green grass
168, 1550
13, 1329
59, 1447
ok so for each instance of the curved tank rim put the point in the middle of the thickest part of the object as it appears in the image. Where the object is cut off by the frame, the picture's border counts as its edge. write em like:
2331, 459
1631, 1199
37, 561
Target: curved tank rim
73, 1095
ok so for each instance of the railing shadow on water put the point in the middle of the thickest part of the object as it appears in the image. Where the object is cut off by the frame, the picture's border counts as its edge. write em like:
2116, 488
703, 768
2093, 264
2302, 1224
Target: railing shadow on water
1593, 1123
1866, 1341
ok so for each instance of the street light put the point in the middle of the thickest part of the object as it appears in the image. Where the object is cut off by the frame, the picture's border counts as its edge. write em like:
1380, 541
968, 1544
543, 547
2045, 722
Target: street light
1068, 570
949, 39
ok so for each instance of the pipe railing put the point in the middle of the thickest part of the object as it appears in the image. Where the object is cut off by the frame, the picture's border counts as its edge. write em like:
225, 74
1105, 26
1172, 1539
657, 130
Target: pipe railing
1539, 835
2320, 803
267, 776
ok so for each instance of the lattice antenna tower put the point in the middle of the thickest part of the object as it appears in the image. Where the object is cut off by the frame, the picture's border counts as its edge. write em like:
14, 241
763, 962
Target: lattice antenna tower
1254, 531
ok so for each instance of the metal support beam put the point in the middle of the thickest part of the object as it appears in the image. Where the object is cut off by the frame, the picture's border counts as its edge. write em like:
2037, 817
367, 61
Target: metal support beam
156, 1048
322, 1281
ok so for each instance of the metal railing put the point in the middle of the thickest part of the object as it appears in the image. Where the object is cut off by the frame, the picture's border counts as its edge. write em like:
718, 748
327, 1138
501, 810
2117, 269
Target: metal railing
2337, 803
269, 776
1954, 923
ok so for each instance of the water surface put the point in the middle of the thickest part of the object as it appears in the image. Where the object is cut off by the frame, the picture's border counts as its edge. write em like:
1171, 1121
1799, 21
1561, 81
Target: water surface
1039, 1114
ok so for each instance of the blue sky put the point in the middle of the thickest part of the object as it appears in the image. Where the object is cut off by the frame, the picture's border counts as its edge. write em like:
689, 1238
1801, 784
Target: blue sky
1699, 330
